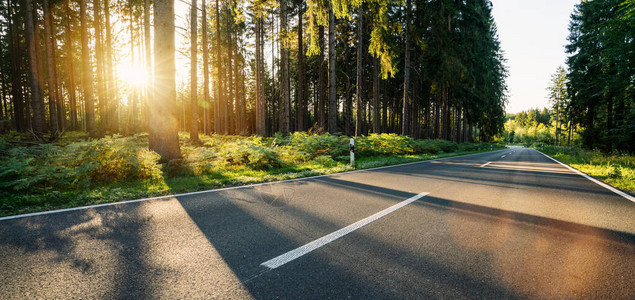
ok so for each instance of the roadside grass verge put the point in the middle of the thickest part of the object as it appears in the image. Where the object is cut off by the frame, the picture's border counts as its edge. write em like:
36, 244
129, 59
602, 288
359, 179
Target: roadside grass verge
78, 171
617, 170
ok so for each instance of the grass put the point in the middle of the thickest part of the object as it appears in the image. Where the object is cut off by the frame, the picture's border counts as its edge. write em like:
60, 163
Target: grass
76, 171
617, 170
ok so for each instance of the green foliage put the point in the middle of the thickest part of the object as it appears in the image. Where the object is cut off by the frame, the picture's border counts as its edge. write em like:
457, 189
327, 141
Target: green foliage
601, 73
251, 153
616, 169
538, 126
315, 145
106, 160
116, 168
383, 144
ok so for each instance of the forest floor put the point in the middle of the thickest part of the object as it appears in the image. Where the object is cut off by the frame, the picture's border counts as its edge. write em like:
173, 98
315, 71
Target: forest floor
617, 170
77, 171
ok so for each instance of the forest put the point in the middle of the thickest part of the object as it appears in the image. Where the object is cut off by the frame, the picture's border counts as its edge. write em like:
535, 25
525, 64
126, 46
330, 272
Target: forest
600, 82
422, 68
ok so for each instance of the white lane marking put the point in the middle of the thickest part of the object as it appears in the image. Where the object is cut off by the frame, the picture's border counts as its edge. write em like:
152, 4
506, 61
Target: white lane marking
503, 156
298, 252
485, 164
600, 183
222, 189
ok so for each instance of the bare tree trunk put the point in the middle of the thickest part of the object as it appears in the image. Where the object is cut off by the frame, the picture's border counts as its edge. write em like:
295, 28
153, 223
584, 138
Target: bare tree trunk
164, 122
358, 85
133, 89
222, 107
148, 53
206, 109
332, 80
37, 103
61, 111
321, 83
260, 100
405, 130
99, 60
71, 69
231, 97
285, 97
50, 66
87, 73
240, 89
111, 90
193, 74
301, 88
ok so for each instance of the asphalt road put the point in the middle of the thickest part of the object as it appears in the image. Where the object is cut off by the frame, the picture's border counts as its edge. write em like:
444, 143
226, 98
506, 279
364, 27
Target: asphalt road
521, 226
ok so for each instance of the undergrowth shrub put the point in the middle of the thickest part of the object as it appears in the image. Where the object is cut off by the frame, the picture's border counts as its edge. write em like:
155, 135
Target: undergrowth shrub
252, 153
426, 146
47, 166
384, 144
325, 160
316, 145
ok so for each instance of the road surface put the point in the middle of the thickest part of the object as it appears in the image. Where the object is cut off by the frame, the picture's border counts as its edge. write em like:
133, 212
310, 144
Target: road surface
503, 224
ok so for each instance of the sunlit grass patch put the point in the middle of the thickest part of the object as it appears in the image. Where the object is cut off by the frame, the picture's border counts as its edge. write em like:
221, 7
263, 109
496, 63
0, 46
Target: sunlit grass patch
617, 170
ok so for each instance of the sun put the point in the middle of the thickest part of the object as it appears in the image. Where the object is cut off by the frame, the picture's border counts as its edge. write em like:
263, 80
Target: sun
133, 75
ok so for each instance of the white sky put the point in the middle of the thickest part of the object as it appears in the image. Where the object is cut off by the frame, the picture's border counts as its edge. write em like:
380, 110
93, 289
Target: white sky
533, 34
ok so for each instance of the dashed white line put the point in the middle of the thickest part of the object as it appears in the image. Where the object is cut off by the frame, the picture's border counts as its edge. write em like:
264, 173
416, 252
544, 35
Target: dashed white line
298, 252
485, 164
503, 156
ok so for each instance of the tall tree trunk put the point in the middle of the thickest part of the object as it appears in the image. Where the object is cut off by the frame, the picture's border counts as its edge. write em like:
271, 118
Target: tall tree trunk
437, 113
111, 89
164, 122
17, 97
193, 74
71, 69
231, 97
285, 97
87, 73
61, 111
37, 103
358, 84
321, 82
376, 125
332, 80
148, 60
50, 66
405, 129
260, 90
222, 107
99, 63
240, 104
133, 89
206, 110
301, 113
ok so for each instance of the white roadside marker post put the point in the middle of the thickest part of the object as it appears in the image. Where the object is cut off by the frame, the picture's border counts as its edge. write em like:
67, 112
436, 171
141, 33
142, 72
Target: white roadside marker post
351, 147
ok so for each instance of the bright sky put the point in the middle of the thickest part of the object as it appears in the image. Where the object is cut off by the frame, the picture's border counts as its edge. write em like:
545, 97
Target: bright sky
533, 34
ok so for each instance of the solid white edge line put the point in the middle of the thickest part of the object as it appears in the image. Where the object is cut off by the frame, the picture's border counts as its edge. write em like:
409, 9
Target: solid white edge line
600, 183
307, 248
485, 164
223, 189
